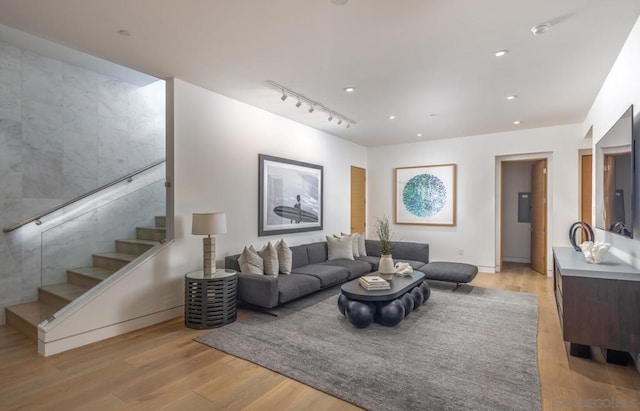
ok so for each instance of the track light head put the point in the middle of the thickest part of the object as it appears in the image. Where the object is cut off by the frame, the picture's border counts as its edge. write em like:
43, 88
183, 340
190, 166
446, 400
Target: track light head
330, 117
311, 109
284, 96
299, 103
339, 120
348, 124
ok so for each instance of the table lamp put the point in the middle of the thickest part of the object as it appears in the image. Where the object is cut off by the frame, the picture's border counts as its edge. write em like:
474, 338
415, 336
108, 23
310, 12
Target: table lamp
209, 224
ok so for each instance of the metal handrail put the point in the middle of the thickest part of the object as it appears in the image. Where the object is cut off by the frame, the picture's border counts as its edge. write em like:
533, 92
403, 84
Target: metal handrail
80, 197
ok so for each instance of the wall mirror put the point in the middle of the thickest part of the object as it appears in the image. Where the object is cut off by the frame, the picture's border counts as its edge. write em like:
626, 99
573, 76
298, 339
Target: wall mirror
614, 163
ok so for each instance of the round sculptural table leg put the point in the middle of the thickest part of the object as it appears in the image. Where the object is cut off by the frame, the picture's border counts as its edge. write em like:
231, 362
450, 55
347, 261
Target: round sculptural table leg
342, 303
360, 314
407, 302
390, 314
426, 291
418, 297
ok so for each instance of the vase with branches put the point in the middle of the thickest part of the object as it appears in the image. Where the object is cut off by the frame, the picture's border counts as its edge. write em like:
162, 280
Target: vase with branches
383, 232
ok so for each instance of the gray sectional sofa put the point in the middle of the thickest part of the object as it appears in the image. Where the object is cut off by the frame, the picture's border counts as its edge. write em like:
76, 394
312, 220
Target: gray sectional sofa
312, 272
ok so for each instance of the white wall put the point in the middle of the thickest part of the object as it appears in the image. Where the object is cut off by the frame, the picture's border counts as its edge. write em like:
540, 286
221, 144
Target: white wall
475, 232
620, 90
516, 236
217, 142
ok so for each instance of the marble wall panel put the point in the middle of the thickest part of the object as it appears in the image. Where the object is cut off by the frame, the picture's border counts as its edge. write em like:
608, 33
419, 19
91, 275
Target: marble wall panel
10, 145
10, 94
81, 78
114, 98
10, 293
41, 79
42, 125
80, 111
42, 174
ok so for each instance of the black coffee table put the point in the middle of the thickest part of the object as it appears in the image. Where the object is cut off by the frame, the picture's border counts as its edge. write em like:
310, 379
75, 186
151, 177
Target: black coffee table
386, 307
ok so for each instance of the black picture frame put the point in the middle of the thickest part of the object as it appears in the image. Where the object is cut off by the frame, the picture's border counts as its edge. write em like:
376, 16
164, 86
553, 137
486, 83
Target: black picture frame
290, 196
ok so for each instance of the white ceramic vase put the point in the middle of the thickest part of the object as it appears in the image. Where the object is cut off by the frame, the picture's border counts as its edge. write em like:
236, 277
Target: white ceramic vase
386, 266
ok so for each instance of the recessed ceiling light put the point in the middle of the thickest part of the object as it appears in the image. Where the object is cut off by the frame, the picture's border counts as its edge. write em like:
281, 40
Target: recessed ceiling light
392, 117
501, 53
516, 122
512, 97
540, 29
349, 89
433, 115
419, 135
124, 32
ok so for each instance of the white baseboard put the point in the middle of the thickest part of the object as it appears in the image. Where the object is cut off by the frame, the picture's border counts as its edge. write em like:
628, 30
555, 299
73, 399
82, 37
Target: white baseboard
91, 336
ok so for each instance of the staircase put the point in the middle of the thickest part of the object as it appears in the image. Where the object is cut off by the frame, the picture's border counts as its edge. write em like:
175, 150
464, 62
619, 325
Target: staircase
51, 298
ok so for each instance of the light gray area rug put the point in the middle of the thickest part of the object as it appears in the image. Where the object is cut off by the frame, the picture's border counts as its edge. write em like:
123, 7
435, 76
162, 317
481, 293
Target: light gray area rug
473, 349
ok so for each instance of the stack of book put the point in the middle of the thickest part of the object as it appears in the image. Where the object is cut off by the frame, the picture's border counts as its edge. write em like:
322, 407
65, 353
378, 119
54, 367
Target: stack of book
374, 282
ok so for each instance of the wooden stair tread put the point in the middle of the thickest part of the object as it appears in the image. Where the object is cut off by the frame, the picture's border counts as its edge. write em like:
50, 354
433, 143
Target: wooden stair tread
95, 272
65, 290
117, 256
34, 313
136, 241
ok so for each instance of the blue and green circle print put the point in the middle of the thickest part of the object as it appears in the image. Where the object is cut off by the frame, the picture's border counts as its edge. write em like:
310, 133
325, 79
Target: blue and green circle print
424, 195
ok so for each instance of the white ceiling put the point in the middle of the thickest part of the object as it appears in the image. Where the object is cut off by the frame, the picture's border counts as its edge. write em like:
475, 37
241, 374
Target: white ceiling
409, 58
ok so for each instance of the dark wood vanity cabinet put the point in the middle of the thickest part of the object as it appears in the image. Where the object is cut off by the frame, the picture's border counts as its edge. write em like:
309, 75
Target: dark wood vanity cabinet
598, 304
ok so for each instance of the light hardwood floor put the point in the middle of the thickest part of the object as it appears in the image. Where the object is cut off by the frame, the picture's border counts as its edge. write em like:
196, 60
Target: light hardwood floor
161, 368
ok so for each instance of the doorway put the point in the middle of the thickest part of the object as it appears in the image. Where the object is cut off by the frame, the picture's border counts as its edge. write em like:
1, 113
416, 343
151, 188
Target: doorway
358, 199
523, 213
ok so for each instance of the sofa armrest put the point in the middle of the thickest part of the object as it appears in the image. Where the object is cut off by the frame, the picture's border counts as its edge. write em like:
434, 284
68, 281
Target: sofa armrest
259, 290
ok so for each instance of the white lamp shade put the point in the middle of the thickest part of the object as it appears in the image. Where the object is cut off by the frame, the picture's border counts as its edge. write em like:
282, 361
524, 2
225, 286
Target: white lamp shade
209, 223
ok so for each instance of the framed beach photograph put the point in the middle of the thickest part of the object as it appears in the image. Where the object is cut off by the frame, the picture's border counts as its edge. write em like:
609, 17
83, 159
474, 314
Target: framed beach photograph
290, 196
426, 195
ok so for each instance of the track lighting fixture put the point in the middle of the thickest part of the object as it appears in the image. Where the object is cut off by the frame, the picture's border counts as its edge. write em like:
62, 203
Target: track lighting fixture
313, 105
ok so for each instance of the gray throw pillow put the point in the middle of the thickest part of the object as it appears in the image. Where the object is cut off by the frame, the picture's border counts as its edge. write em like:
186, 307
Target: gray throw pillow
340, 248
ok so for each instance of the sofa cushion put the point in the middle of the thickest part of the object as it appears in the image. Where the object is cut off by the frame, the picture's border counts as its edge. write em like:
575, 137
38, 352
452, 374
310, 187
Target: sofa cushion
402, 251
453, 272
374, 261
299, 256
317, 252
295, 286
327, 274
356, 267
362, 249
339, 248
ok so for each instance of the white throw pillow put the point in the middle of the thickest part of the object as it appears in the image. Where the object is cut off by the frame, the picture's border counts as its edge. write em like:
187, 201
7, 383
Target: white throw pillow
250, 262
354, 243
270, 259
362, 249
340, 248
285, 257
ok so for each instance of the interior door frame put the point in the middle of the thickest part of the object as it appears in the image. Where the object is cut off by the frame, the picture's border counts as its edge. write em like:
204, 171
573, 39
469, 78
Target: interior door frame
498, 203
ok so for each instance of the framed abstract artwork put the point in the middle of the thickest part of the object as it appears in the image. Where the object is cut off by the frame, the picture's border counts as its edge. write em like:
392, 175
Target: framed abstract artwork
426, 195
289, 196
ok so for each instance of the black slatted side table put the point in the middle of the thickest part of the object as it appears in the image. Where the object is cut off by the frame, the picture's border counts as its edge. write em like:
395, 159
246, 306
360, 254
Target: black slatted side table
210, 300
